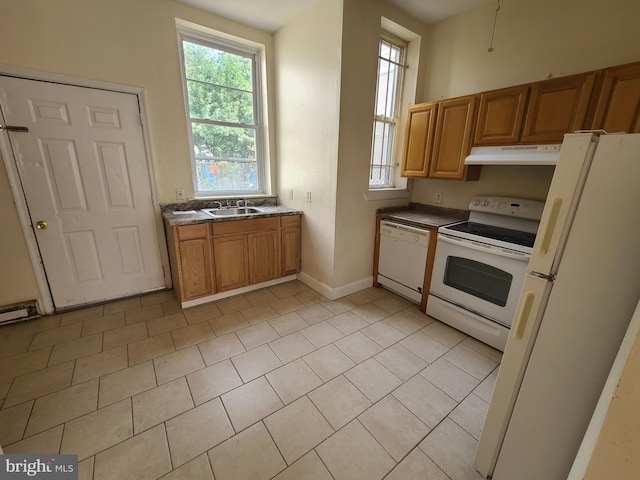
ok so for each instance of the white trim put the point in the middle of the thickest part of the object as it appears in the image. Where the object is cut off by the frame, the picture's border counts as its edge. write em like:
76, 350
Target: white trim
236, 291
333, 293
387, 194
45, 303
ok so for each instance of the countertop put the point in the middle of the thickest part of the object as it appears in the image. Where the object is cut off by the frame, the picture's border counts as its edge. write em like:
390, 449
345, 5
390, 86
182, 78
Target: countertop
426, 216
177, 219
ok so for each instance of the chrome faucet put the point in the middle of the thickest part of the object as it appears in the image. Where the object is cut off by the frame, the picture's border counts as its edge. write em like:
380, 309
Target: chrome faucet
241, 201
219, 204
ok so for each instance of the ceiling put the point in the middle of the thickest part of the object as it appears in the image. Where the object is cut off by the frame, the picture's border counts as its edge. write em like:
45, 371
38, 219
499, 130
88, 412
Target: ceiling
271, 15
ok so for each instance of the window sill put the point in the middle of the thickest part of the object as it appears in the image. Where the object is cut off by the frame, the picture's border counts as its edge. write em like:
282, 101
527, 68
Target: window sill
386, 194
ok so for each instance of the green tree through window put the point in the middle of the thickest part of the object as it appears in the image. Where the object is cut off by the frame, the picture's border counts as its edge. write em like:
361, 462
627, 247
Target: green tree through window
220, 87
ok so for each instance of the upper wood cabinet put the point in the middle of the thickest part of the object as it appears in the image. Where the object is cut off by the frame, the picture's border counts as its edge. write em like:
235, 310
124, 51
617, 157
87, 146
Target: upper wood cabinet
438, 138
452, 139
501, 115
557, 106
418, 142
618, 106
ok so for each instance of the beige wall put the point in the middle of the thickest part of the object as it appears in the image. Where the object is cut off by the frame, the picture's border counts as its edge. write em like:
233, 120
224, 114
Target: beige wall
325, 97
355, 217
326, 69
533, 40
307, 101
120, 41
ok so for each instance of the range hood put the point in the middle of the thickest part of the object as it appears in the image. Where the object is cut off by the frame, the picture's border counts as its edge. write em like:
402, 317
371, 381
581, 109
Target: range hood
514, 155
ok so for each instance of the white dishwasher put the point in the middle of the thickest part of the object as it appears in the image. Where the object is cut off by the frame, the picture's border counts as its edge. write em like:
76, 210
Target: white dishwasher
403, 258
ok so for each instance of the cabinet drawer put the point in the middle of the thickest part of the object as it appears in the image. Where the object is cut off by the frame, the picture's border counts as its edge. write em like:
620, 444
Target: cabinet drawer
245, 226
290, 221
189, 232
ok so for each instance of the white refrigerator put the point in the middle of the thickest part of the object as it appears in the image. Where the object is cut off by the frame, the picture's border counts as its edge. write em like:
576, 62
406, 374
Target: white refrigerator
576, 303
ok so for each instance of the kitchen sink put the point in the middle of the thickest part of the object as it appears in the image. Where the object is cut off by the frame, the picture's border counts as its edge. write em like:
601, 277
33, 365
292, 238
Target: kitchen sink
230, 212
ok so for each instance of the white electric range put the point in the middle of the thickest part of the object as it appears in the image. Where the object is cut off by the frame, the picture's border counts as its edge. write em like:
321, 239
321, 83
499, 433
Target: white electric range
480, 266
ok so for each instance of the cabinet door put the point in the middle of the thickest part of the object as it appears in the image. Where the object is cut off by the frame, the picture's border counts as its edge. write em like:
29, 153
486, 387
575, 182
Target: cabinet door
618, 108
452, 143
556, 107
290, 250
263, 256
421, 120
232, 266
195, 268
500, 116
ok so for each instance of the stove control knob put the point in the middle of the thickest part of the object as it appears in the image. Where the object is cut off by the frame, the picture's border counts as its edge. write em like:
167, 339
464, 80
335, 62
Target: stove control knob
485, 203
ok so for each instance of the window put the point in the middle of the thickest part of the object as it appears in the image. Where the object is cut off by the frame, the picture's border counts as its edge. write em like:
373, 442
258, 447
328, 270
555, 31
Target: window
222, 96
391, 65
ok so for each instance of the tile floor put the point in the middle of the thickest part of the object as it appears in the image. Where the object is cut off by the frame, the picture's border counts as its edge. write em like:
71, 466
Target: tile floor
277, 383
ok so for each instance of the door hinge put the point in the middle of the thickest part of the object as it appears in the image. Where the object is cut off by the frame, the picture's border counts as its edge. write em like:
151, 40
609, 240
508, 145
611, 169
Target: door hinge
13, 128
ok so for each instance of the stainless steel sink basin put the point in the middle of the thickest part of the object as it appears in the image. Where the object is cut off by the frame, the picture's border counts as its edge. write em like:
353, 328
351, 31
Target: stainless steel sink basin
230, 212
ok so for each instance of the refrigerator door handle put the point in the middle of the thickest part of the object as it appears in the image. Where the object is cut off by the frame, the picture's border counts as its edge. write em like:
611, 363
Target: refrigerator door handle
524, 314
549, 227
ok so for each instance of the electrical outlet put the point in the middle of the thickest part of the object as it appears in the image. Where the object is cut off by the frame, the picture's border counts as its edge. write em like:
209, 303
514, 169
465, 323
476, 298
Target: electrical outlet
438, 197
290, 194
179, 194
309, 197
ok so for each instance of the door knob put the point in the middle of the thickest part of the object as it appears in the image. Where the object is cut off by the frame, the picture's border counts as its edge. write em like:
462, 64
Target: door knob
41, 225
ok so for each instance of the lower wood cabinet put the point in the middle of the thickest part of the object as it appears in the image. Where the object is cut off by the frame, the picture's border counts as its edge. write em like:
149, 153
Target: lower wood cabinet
208, 258
231, 262
290, 244
190, 256
263, 256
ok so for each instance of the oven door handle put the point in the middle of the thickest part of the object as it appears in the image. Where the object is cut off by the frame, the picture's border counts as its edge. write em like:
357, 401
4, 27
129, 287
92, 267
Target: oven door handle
473, 246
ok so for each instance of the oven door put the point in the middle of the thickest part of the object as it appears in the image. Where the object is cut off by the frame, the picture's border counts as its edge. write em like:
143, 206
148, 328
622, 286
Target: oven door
478, 277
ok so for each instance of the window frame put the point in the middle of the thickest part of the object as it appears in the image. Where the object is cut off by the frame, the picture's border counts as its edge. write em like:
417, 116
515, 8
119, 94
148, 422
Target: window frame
248, 50
395, 121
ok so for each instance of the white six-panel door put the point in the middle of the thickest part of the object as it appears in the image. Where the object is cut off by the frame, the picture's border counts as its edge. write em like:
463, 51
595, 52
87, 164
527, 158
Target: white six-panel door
84, 173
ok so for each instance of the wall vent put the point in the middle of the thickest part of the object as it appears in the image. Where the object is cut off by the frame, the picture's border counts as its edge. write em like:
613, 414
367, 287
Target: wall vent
18, 312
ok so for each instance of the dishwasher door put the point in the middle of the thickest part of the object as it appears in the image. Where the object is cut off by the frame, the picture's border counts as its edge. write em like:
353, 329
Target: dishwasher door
403, 259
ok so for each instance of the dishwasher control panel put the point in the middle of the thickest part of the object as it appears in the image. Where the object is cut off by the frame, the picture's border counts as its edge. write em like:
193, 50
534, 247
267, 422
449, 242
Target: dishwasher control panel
405, 233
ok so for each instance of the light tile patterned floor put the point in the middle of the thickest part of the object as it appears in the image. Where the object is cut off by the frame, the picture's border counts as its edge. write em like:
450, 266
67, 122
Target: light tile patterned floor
278, 383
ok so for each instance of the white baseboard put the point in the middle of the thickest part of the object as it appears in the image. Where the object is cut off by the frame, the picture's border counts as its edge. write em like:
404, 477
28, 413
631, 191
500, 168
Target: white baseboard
333, 293
237, 291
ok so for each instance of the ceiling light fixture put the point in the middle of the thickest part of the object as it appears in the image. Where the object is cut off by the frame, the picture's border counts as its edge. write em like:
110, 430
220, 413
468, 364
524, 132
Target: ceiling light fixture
493, 32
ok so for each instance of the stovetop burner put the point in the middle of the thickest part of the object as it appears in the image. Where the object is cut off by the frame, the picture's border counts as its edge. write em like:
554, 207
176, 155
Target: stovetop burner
496, 233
